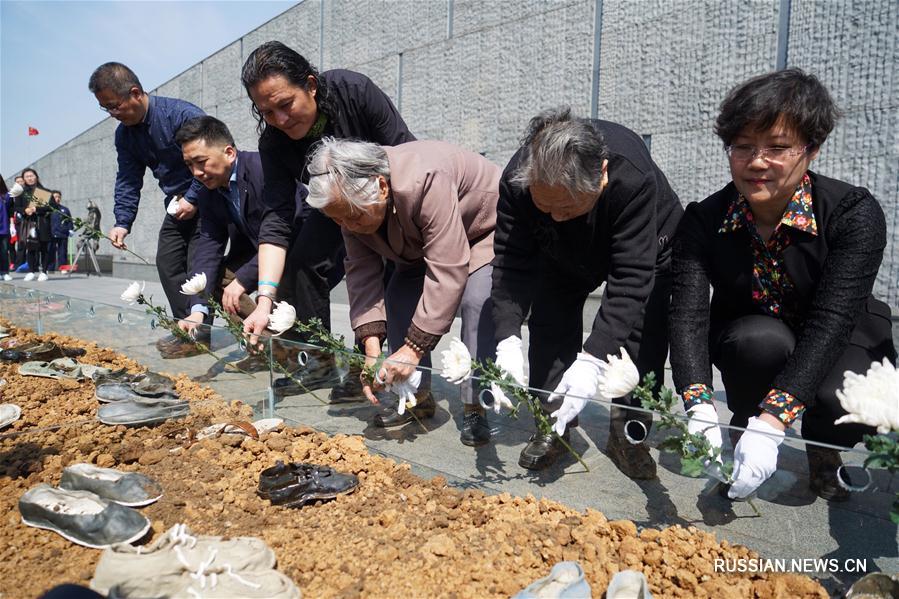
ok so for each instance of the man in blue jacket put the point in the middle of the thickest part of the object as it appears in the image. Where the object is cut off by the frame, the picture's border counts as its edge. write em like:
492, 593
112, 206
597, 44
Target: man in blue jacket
230, 210
60, 231
145, 138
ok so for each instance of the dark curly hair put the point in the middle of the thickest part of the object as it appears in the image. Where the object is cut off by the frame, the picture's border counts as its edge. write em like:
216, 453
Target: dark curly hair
798, 97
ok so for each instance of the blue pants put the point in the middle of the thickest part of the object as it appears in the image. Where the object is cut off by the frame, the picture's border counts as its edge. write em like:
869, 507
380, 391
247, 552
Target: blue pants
59, 253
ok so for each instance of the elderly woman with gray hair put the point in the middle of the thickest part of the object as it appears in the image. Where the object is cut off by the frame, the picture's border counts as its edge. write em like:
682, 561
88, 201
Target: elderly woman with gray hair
582, 204
430, 208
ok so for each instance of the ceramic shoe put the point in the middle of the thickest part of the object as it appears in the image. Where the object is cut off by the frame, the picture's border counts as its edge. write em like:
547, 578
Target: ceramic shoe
81, 516
131, 489
9, 413
296, 484
565, 581
628, 584
209, 583
177, 551
140, 411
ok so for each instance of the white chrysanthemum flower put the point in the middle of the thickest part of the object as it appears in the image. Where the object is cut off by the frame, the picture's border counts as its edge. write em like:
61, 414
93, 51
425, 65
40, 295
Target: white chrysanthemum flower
872, 398
619, 376
133, 292
16, 190
173, 206
194, 285
282, 317
456, 362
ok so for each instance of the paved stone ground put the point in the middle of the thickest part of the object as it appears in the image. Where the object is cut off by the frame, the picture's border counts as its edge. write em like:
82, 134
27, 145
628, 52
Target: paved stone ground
793, 523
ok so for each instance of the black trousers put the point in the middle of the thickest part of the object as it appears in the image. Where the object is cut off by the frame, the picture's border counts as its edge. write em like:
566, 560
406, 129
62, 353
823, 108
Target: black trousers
4, 254
314, 266
174, 254
556, 324
752, 350
36, 254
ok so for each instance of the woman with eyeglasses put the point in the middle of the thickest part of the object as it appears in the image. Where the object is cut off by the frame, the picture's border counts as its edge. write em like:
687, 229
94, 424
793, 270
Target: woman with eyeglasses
296, 106
791, 257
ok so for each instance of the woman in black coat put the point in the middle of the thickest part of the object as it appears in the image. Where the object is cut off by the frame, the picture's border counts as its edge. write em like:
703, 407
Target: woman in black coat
35, 227
296, 106
791, 257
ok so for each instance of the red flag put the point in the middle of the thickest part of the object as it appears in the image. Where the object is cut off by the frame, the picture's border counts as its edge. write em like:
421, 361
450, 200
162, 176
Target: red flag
33, 131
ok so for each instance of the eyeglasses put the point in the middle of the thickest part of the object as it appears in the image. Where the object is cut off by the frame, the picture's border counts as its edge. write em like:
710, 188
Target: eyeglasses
772, 155
114, 109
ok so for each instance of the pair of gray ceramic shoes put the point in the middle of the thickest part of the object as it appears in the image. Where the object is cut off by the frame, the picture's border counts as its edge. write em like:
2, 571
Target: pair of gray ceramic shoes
180, 564
136, 399
92, 506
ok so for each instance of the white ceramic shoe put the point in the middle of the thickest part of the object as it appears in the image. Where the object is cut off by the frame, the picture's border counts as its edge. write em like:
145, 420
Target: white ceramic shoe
42, 277
29, 277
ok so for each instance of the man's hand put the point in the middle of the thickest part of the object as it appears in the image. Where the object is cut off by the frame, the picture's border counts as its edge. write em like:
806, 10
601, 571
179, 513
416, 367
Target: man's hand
231, 296
117, 237
186, 210
257, 321
191, 322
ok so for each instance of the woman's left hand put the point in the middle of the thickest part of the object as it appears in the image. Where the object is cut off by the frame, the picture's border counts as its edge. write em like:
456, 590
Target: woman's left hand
399, 365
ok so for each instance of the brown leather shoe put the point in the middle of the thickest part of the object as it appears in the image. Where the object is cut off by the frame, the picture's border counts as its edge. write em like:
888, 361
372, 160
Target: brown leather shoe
182, 349
424, 409
631, 459
823, 473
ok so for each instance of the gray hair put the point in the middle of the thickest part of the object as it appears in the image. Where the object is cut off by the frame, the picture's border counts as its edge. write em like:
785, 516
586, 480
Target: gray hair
563, 150
347, 169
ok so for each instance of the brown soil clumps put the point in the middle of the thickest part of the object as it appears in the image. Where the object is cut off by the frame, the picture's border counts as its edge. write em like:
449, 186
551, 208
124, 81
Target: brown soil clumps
397, 535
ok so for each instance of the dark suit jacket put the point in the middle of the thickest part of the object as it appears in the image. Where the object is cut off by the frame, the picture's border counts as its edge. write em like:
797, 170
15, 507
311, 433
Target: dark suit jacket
832, 272
215, 228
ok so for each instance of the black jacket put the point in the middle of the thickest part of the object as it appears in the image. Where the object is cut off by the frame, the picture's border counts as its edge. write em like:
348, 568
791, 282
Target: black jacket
357, 109
832, 272
215, 227
623, 241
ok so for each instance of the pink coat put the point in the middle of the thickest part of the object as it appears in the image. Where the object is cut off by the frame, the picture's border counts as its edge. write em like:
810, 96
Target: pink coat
442, 210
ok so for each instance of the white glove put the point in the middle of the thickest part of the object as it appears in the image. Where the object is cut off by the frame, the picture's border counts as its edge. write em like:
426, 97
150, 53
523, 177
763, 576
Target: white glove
510, 360
755, 457
173, 206
704, 421
406, 389
16, 190
579, 383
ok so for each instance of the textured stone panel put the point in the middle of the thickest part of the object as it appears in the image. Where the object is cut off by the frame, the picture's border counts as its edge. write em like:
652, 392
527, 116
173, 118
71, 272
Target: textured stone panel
186, 86
497, 83
236, 114
854, 49
298, 27
383, 72
221, 77
474, 15
358, 32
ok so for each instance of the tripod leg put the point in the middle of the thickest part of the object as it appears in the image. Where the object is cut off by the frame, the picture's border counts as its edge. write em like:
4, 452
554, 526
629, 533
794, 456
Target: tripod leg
77, 257
93, 257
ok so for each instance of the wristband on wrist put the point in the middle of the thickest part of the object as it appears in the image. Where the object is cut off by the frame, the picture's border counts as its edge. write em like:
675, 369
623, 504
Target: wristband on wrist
267, 283
264, 293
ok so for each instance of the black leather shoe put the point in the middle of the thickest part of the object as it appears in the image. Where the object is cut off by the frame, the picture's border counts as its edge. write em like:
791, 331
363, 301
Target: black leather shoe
541, 451
823, 473
296, 484
424, 409
475, 429
182, 349
633, 460
349, 391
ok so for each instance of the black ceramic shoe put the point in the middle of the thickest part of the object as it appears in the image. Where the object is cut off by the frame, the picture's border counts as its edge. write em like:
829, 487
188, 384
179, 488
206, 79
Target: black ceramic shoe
541, 451
475, 429
296, 484
633, 460
38, 352
823, 473
423, 410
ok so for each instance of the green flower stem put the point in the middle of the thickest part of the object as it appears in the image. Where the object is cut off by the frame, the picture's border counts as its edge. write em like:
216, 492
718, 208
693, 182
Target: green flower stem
490, 373
884, 454
90, 232
171, 325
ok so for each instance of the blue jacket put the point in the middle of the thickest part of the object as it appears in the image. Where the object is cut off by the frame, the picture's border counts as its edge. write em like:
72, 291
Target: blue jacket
215, 227
5, 210
151, 144
60, 224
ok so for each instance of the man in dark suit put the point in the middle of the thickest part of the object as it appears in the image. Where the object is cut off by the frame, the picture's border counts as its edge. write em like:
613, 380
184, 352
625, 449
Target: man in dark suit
230, 210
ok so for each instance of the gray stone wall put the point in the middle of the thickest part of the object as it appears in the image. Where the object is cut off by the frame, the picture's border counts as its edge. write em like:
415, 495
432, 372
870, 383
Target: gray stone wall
474, 71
